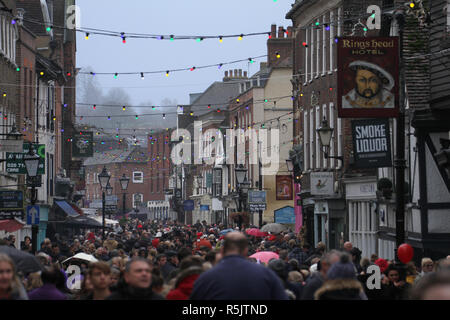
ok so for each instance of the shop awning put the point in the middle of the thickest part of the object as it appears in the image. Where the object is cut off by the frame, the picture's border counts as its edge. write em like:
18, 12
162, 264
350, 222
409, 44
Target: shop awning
67, 208
10, 225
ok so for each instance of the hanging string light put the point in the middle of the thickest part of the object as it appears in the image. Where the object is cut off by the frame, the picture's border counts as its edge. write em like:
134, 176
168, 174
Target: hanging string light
87, 36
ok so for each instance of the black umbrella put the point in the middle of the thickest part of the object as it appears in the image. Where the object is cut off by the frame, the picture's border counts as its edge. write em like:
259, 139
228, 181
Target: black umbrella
25, 262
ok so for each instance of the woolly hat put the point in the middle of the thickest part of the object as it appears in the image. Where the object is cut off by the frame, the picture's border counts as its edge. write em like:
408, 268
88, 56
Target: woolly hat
383, 264
343, 269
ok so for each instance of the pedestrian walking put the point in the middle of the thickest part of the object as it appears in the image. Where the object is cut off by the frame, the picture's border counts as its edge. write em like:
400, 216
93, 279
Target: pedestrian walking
10, 286
136, 282
251, 282
48, 291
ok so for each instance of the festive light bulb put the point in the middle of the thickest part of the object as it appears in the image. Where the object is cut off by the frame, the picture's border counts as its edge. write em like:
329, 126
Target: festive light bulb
13, 21
278, 55
192, 69
167, 73
161, 37
265, 100
218, 110
327, 27
116, 75
153, 108
209, 106
220, 65
305, 44
69, 74
137, 117
49, 28
41, 73
4, 94
124, 108
336, 39
220, 39
192, 113
95, 106
87, 36
237, 100
412, 4
250, 60
142, 76
171, 37
241, 37
270, 36
317, 23
109, 117
164, 116
54, 118
18, 69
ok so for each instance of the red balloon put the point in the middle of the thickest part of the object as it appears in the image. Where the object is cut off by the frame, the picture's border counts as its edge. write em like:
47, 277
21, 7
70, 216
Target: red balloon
405, 253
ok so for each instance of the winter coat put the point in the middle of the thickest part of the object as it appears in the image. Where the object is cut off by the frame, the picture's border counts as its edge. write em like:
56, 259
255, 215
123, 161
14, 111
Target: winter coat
47, 292
236, 278
184, 284
298, 255
340, 289
313, 283
126, 292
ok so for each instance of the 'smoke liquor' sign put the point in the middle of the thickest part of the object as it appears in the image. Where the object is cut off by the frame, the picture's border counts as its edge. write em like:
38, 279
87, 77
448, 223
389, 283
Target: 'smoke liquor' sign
371, 143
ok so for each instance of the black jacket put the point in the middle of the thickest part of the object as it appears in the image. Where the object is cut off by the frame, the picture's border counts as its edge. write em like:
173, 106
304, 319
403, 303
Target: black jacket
314, 282
126, 292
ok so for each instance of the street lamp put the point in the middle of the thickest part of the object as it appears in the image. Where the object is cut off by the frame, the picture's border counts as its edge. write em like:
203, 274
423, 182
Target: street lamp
240, 174
290, 165
124, 185
103, 177
31, 161
242, 184
325, 133
109, 191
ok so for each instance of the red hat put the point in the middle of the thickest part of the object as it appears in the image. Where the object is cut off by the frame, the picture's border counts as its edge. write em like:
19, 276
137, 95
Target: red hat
383, 264
221, 237
199, 234
272, 237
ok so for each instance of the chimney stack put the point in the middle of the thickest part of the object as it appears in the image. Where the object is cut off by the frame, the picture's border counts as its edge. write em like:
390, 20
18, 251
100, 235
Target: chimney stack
290, 32
240, 73
280, 32
245, 74
273, 31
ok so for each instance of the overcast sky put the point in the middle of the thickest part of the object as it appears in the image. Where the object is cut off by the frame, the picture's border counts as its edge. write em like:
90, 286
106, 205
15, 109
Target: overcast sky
177, 17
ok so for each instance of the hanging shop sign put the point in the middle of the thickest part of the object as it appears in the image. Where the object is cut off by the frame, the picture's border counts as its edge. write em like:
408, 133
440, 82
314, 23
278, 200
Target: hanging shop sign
371, 143
284, 187
82, 145
16, 165
322, 183
368, 77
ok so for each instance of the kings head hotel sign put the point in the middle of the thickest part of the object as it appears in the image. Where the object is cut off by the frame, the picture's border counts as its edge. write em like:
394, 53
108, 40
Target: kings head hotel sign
371, 143
368, 77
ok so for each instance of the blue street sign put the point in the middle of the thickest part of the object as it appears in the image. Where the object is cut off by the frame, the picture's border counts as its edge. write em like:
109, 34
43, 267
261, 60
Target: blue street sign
188, 205
33, 215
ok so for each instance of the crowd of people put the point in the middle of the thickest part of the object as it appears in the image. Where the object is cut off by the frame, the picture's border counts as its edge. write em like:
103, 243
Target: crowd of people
156, 260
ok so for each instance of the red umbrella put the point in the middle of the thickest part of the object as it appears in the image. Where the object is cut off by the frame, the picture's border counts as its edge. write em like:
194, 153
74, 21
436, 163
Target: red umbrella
265, 256
10, 225
256, 232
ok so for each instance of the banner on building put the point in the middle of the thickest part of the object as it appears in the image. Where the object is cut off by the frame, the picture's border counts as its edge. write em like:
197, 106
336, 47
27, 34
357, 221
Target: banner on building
284, 187
322, 183
368, 77
371, 143
82, 145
